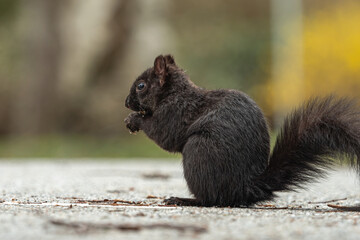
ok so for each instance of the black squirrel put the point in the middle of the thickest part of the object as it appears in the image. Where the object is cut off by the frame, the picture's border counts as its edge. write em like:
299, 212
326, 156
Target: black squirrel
224, 137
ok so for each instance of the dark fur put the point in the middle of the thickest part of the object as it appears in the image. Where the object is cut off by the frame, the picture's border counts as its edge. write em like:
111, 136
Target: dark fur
224, 138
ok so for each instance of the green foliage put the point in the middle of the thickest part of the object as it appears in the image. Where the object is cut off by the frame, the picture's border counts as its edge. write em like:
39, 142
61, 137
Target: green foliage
8, 9
66, 146
330, 61
220, 46
79, 146
239, 63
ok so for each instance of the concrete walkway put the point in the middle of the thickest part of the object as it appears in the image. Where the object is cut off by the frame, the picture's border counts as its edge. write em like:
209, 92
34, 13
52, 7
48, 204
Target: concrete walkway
118, 199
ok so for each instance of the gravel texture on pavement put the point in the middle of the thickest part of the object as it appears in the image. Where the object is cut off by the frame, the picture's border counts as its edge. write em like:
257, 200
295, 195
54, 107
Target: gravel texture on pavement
122, 199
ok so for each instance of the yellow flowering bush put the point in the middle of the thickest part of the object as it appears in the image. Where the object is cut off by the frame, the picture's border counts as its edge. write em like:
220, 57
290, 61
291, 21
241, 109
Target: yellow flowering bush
330, 59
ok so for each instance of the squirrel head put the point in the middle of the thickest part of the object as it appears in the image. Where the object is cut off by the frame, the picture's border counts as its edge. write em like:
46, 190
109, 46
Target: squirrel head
150, 87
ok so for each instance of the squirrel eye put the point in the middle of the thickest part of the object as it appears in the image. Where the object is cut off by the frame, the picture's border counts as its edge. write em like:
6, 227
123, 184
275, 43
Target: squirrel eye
140, 86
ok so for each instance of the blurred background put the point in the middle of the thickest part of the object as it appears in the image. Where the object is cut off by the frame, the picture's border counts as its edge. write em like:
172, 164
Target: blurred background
66, 65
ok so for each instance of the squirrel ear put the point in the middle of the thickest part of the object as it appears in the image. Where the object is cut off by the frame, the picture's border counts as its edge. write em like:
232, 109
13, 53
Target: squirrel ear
159, 65
169, 59
160, 68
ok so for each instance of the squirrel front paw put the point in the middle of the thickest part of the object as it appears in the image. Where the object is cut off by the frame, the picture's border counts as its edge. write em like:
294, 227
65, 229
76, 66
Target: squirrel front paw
133, 122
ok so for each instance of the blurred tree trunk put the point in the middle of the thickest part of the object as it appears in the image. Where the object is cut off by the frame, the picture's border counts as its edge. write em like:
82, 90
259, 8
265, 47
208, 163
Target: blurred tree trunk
287, 59
35, 105
125, 38
138, 33
119, 24
80, 84
90, 59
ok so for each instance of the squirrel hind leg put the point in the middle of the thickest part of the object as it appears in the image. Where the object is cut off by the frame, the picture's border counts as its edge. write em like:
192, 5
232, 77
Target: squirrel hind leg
182, 202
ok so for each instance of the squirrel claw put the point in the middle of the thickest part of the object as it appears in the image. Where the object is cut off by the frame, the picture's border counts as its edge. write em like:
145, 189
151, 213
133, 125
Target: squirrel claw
171, 201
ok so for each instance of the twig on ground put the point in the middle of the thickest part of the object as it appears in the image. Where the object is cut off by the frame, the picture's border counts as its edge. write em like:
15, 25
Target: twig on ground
156, 175
329, 201
346, 208
84, 227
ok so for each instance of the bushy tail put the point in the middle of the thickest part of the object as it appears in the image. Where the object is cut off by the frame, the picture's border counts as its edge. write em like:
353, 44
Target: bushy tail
312, 136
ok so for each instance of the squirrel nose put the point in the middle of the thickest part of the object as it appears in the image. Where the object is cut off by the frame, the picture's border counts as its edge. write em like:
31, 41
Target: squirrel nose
127, 102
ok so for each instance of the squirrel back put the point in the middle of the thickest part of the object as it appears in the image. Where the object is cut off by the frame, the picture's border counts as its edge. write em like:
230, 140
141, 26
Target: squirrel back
224, 138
